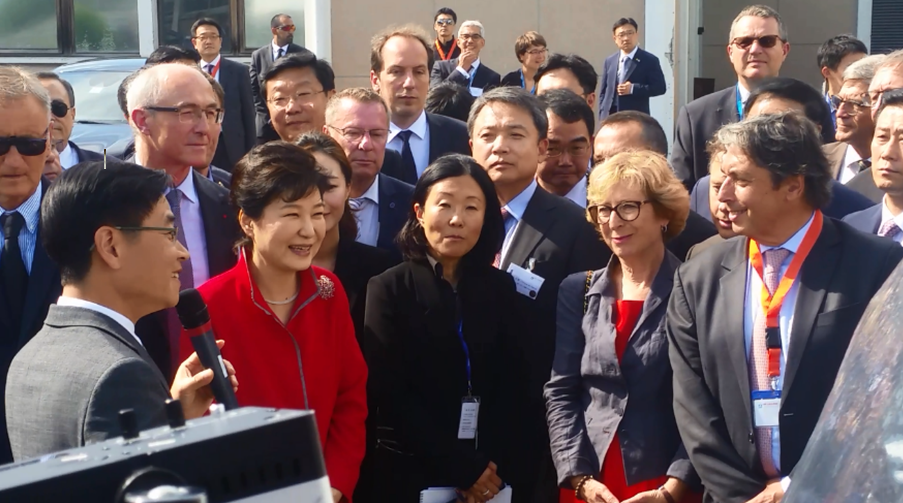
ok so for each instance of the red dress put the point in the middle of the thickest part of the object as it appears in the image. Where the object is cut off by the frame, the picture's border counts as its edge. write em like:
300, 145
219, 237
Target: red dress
266, 362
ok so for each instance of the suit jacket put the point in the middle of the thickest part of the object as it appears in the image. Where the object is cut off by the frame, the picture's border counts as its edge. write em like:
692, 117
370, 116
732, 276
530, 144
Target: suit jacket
697, 230
221, 231
239, 132
512, 79
446, 136
395, 199
864, 184
591, 395
698, 121
221, 177
836, 153
485, 78
87, 155
705, 245
261, 62
867, 220
66, 387
643, 71
709, 358
355, 264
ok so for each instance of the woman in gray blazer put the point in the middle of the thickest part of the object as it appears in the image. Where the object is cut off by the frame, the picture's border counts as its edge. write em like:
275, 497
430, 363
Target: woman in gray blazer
611, 423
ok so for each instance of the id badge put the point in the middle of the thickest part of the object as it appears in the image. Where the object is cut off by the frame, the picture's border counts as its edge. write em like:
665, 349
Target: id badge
766, 408
527, 283
470, 413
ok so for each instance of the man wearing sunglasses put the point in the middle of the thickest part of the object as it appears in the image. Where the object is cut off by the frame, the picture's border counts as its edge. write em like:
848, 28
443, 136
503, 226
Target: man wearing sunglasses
445, 47
62, 106
283, 30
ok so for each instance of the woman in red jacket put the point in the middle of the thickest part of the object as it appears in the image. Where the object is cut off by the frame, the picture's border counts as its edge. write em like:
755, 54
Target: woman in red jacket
287, 324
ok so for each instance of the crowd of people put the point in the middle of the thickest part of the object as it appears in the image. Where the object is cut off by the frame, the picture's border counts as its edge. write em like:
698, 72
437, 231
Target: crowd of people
475, 281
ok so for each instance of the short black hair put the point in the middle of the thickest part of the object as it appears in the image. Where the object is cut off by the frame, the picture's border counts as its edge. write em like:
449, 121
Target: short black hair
64, 82
276, 21
123, 91
449, 99
653, 135
172, 54
571, 108
624, 20
838, 47
581, 68
890, 98
274, 170
91, 195
448, 12
516, 97
412, 239
304, 59
797, 91
205, 21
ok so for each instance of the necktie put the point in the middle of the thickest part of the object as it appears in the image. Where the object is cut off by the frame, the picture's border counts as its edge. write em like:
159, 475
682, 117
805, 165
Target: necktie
280, 53
209, 68
12, 268
758, 372
174, 197
407, 156
622, 77
356, 204
889, 229
497, 262
864, 164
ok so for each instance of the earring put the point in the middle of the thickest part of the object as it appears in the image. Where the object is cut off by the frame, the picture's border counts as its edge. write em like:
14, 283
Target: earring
664, 228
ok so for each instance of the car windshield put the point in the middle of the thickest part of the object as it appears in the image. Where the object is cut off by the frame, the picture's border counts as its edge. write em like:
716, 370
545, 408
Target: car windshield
95, 95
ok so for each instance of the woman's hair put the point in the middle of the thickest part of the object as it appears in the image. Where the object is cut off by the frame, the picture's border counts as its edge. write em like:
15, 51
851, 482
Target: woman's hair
650, 173
318, 142
274, 170
412, 239
526, 41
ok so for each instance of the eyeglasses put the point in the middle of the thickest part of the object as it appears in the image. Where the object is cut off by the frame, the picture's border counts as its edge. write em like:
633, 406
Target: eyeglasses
766, 41
445, 22
28, 147
59, 108
471, 36
193, 115
572, 150
627, 211
303, 98
205, 38
625, 34
172, 232
355, 135
290, 28
837, 102
537, 52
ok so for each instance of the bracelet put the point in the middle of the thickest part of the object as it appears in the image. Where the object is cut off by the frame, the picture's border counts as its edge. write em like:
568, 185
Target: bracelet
579, 488
666, 494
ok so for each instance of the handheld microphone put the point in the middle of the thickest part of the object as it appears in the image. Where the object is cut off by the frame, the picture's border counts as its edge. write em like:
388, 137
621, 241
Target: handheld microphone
193, 315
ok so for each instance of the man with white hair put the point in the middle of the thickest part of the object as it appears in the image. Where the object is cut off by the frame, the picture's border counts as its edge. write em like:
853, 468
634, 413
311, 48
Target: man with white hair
466, 69
173, 110
29, 281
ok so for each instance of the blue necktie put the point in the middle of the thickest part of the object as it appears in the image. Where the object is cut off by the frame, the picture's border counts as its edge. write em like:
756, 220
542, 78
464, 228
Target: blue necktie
407, 157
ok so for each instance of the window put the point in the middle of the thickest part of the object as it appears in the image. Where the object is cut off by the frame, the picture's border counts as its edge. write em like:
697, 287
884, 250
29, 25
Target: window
69, 26
105, 26
258, 14
28, 25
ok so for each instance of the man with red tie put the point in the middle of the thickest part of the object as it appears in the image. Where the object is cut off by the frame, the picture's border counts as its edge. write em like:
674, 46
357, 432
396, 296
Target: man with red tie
769, 317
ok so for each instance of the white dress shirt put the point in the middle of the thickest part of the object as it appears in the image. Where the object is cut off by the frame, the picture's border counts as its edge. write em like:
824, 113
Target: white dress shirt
106, 311
753, 309
622, 63
850, 164
516, 208
887, 215
212, 64
193, 224
578, 193
368, 215
419, 141
68, 157
275, 48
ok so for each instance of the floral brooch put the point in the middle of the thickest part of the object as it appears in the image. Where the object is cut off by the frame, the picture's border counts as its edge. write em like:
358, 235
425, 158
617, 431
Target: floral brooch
326, 287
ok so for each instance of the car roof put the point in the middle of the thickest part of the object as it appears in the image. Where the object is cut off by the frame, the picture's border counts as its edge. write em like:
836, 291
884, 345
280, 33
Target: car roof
103, 65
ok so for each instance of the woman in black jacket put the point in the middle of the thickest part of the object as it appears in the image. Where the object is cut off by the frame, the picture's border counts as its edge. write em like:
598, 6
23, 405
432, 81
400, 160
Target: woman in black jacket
438, 339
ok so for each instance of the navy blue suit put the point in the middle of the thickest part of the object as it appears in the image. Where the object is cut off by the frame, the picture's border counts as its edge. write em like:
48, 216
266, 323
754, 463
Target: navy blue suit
643, 71
86, 155
395, 198
867, 220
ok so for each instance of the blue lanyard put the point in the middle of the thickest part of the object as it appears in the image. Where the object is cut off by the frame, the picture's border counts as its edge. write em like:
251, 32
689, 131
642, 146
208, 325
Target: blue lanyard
523, 83
466, 356
473, 71
739, 103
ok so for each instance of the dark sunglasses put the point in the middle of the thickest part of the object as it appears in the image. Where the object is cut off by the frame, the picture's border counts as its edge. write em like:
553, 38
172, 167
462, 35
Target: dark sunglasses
767, 41
445, 22
26, 146
287, 27
58, 108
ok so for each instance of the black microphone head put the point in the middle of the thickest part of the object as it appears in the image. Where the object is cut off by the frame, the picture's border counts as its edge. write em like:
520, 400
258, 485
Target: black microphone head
192, 309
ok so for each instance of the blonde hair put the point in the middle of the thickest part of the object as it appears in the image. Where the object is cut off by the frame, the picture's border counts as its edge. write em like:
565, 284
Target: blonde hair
411, 31
650, 173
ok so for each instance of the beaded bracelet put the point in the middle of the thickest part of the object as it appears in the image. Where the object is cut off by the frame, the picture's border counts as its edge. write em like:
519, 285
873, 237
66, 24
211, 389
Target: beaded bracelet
579, 488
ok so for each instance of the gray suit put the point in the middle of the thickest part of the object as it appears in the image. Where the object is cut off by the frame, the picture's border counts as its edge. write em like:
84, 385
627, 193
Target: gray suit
66, 387
591, 395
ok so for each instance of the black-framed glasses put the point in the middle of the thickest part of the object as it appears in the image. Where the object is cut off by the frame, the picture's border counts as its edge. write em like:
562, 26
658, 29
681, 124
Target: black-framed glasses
766, 41
837, 102
537, 52
59, 108
355, 135
192, 115
627, 211
28, 147
302, 97
471, 36
574, 150
172, 232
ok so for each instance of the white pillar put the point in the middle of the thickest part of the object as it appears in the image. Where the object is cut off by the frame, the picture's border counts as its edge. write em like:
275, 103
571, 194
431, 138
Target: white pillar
147, 27
864, 22
659, 35
318, 27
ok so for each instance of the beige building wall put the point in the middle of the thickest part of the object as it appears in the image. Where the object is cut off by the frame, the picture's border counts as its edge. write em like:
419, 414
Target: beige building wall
809, 24
579, 26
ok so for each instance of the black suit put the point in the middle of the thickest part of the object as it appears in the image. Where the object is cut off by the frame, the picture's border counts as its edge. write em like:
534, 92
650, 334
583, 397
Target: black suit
446, 136
394, 204
864, 184
221, 231
697, 230
697, 123
221, 177
554, 233
484, 78
643, 71
239, 132
261, 62
355, 264
867, 220
709, 357
44, 288
87, 155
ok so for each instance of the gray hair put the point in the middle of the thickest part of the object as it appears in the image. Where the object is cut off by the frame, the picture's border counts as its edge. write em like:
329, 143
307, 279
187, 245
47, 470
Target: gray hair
764, 12
864, 69
468, 24
786, 144
146, 87
16, 83
891, 61
516, 97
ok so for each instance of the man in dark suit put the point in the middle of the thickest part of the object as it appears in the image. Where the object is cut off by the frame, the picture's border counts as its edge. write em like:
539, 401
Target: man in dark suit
262, 59
547, 237
757, 49
568, 71
239, 129
296, 89
400, 61
745, 421
110, 230
630, 76
62, 106
357, 119
208, 226
467, 69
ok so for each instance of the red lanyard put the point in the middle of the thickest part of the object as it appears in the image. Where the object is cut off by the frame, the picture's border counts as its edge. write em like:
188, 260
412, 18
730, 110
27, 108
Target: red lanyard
216, 68
771, 303
451, 50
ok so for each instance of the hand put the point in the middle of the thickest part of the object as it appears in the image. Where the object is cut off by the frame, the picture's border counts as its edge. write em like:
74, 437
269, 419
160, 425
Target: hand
773, 493
624, 89
486, 487
336, 495
596, 492
190, 385
466, 59
655, 496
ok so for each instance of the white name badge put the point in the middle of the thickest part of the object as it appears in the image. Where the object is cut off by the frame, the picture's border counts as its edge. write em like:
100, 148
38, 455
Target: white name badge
476, 92
527, 283
470, 414
766, 408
